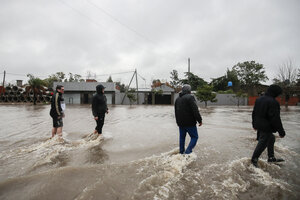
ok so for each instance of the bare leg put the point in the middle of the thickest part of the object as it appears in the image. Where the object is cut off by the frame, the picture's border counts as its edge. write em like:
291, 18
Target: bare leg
54, 130
59, 131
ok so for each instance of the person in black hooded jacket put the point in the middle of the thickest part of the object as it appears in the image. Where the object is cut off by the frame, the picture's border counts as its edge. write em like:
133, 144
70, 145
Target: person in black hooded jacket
99, 108
266, 120
57, 111
187, 115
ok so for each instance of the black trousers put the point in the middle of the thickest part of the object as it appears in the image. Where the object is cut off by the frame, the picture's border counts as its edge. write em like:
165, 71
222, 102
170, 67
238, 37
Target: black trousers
264, 140
100, 123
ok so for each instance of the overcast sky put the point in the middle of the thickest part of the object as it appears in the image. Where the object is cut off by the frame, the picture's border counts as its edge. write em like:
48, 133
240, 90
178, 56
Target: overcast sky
43, 37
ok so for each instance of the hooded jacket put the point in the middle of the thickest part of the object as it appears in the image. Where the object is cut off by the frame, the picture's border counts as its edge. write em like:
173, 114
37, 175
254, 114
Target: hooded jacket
266, 112
99, 102
56, 105
186, 110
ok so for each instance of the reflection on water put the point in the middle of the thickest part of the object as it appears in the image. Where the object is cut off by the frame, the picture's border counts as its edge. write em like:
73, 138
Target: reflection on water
136, 157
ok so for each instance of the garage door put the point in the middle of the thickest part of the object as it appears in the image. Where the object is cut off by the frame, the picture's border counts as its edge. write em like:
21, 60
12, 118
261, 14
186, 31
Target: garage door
109, 98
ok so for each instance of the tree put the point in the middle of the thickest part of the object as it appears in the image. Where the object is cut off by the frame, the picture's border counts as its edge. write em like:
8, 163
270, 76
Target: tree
131, 96
240, 95
206, 94
193, 80
60, 75
221, 83
121, 87
35, 86
250, 74
287, 79
175, 81
77, 78
50, 80
287, 74
298, 78
109, 80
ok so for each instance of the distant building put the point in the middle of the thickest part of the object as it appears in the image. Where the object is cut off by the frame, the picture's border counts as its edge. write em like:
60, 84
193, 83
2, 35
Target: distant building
82, 92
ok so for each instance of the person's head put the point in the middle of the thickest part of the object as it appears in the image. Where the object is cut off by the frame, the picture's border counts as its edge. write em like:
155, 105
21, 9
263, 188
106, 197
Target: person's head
186, 89
60, 88
274, 91
100, 89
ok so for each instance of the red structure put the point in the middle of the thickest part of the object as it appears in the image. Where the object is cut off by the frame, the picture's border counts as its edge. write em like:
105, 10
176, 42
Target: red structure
2, 90
292, 101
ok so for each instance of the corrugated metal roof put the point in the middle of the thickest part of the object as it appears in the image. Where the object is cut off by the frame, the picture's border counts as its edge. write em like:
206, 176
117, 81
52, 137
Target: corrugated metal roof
85, 86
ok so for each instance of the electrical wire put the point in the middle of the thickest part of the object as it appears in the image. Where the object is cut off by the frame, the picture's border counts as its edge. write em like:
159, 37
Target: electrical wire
119, 22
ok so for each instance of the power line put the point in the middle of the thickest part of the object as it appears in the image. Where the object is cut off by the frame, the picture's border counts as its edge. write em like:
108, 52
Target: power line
81, 13
119, 22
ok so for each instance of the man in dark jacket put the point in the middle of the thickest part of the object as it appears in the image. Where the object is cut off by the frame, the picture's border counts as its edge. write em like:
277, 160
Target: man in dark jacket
266, 120
57, 110
99, 108
187, 115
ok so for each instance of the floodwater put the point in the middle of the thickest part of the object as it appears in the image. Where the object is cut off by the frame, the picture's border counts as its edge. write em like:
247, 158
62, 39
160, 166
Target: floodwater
136, 158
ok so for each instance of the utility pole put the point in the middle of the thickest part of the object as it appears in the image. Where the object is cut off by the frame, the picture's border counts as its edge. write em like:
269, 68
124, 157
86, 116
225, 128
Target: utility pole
189, 69
3, 81
137, 87
128, 86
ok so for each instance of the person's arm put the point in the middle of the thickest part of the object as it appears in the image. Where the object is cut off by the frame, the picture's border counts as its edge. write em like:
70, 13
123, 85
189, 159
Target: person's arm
57, 105
105, 101
94, 106
195, 110
253, 117
275, 120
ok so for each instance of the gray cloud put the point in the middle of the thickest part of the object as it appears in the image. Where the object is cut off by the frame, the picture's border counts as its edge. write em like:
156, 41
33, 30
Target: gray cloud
44, 37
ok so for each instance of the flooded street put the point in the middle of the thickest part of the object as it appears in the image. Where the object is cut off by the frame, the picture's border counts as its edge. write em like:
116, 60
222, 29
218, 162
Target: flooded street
136, 158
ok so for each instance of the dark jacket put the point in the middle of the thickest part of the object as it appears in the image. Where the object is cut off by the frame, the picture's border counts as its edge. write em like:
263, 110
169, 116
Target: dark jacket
186, 110
99, 102
56, 101
266, 112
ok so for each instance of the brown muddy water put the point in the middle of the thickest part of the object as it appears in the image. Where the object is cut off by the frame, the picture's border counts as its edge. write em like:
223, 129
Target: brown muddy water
136, 158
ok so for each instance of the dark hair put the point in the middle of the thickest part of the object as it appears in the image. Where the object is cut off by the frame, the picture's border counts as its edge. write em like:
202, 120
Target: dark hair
58, 87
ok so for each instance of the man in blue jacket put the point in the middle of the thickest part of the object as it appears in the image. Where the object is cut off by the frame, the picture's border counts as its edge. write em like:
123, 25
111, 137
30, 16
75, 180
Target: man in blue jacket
266, 120
99, 108
187, 115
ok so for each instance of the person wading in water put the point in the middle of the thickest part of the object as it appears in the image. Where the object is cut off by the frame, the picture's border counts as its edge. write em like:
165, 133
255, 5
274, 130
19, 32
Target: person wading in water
99, 108
266, 120
187, 115
57, 111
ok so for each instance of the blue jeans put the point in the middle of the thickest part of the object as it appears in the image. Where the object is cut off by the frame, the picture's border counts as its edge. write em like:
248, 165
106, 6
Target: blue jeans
192, 131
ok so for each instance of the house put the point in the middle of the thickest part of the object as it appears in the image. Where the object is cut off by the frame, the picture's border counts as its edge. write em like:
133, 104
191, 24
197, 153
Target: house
82, 92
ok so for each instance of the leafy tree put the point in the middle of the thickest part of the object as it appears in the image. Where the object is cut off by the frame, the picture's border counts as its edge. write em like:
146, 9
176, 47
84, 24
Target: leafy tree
240, 95
77, 78
221, 83
57, 77
121, 87
131, 96
175, 81
205, 94
109, 80
60, 75
193, 80
50, 80
250, 74
35, 86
